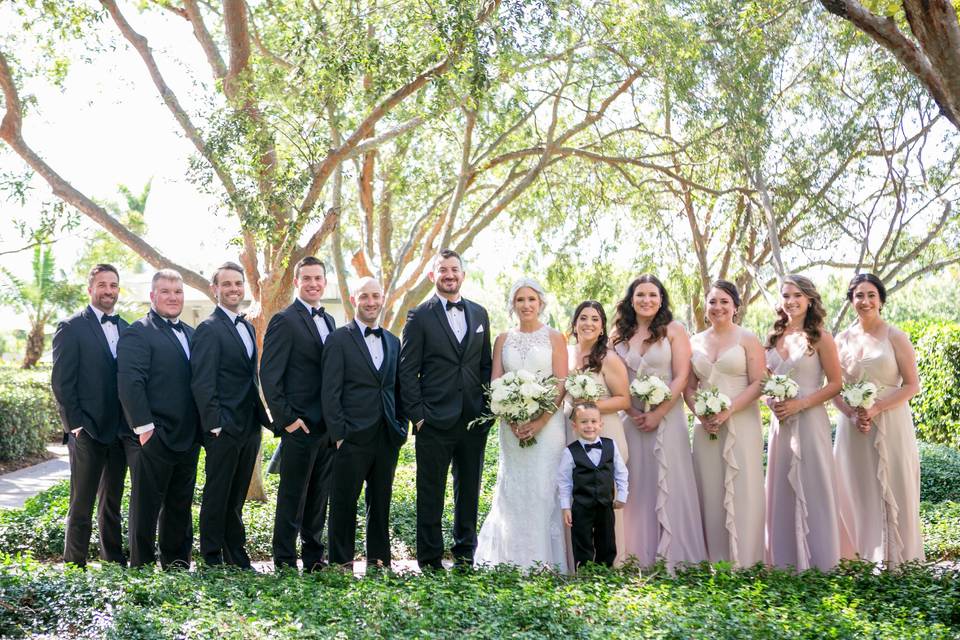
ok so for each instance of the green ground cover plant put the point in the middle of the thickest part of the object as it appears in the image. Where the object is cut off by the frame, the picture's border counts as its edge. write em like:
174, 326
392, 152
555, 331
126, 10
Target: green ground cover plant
703, 602
38, 527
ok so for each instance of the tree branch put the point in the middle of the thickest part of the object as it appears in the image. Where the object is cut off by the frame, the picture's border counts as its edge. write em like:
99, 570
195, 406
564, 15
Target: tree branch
11, 133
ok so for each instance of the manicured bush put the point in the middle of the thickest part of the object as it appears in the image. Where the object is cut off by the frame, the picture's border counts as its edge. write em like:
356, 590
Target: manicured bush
939, 473
703, 602
28, 413
936, 409
940, 522
38, 527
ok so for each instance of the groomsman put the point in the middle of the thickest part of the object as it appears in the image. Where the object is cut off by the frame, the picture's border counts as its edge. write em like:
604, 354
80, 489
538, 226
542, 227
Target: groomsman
153, 359
291, 375
444, 363
227, 393
360, 409
84, 383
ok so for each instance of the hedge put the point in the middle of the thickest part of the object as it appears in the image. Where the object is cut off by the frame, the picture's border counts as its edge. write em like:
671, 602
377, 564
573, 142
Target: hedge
28, 413
856, 601
38, 528
936, 409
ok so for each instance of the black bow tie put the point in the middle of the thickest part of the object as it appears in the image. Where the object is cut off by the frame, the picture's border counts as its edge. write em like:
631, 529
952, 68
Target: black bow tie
176, 326
316, 311
592, 445
104, 319
240, 318
377, 332
455, 305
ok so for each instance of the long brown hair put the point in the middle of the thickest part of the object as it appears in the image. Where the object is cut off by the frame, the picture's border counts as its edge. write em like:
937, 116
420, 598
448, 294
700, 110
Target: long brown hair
625, 318
812, 321
599, 350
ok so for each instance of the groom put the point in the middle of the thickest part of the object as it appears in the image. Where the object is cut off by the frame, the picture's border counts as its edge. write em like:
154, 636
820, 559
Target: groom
445, 362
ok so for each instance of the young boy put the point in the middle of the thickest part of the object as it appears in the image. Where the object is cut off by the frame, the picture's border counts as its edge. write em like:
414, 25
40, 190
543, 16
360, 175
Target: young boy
592, 482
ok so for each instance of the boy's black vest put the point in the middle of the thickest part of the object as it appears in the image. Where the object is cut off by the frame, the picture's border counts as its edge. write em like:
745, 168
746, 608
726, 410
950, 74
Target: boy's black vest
592, 485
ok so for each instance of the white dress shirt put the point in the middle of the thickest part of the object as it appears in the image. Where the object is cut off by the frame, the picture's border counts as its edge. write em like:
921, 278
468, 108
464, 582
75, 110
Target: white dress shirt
374, 344
241, 329
110, 330
319, 321
565, 472
456, 318
182, 339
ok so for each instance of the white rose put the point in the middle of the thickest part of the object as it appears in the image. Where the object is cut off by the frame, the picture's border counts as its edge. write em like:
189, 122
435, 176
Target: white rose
497, 408
868, 401
700, 407
657, 397
532, 406
500, 395
526, 376
509, 377
714, 404
530, 390
854, 397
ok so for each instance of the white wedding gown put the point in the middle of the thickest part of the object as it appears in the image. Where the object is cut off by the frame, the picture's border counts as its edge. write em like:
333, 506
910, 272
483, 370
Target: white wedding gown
524, 527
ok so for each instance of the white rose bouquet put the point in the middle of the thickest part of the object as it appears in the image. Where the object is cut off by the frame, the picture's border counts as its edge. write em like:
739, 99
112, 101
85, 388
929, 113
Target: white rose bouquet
517, 397
859, 394
780, 388
650, 390
582, 386
710, 402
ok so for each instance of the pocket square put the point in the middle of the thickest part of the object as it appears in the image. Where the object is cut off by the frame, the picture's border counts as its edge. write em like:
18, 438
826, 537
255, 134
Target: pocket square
480, 329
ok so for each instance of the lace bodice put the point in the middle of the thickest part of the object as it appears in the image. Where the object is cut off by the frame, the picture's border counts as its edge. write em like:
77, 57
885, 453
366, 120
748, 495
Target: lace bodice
529, 351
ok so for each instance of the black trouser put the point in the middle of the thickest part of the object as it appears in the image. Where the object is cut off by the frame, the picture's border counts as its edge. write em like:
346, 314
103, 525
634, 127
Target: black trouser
373, 462
436, 450
593, 534
97, 472
162, 493
229, 466
302, 499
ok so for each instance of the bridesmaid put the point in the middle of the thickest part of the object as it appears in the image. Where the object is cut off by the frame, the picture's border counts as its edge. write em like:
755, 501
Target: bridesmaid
803, 524
662, 516
589, 355
876, 451
729, 470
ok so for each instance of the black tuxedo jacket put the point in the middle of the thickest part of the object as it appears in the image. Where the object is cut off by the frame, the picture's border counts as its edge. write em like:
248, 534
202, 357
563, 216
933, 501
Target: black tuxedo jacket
224, 379
356, 396
153, 378
291, 369
84, 378
442, 380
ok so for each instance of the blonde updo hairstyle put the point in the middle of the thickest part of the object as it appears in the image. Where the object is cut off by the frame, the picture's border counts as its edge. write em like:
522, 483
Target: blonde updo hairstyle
529, 283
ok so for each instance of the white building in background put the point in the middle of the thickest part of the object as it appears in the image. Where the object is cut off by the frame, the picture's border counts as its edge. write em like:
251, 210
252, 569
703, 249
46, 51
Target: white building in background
135, 296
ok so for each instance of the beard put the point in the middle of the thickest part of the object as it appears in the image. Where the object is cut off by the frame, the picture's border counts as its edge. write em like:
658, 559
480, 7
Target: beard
448, 287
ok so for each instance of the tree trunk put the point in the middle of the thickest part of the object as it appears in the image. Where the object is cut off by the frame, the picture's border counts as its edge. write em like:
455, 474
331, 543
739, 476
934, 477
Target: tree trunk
274, 296
34, 346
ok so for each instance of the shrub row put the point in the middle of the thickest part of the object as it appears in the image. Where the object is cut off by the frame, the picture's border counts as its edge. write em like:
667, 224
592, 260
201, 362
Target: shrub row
28, 413
936, 409
703, 602
38, 528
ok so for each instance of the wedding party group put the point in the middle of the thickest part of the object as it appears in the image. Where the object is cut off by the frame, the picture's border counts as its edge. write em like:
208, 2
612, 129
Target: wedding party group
596, 462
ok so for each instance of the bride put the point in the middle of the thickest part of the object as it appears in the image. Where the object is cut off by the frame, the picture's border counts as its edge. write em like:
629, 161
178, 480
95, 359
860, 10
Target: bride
524, 527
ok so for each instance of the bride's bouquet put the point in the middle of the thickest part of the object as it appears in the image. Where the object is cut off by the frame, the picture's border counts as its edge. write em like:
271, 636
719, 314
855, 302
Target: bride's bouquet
859, 394
710, 402
517, 397
650, 390
582, 386
780, 387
